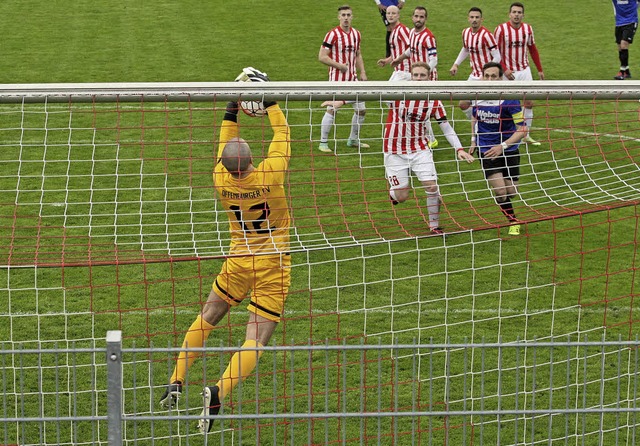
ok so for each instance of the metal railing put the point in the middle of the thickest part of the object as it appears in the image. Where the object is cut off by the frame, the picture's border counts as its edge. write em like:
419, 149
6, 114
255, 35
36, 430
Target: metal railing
551, 392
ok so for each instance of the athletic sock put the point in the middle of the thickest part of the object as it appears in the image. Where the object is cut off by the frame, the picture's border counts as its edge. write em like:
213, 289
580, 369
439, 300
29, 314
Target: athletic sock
528, 117
325, 127
388, 52
195, 337
624, 59
241, 365
356, 122
433, 209
507, 210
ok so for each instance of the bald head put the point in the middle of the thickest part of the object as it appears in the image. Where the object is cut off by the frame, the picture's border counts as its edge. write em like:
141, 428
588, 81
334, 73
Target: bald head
236, 156
393, 15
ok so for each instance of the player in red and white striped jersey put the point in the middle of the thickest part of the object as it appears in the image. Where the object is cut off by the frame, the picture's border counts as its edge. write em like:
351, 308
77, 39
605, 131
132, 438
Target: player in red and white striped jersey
398, 44
516, 41
422, 48
340, 51
382, 7
478, 44
406, 147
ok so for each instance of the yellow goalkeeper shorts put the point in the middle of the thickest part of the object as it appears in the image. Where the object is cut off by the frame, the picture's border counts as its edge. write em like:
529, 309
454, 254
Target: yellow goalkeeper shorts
266, 279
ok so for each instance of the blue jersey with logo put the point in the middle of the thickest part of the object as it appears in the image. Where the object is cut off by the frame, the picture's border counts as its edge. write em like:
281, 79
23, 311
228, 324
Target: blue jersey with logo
626, 11
496, 122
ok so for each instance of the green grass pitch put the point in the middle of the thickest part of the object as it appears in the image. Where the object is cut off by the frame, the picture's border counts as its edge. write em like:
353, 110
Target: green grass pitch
560, 272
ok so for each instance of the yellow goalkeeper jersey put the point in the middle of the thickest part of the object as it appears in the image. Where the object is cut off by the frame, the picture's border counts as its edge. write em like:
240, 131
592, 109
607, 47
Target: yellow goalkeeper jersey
257, 206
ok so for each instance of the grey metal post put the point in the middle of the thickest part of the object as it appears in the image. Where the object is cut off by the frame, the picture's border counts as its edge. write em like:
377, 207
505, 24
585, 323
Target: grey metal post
114, 387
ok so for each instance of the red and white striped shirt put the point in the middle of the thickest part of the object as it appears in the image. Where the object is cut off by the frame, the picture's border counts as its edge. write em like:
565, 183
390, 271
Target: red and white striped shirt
422, 45
513, 44
399, 42
343, 48
405, 131
479, 46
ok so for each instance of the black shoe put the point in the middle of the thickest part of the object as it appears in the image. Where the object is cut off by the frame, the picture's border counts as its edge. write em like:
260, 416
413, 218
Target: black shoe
622, 75
171, 395
211, 403
393, 202
437, 231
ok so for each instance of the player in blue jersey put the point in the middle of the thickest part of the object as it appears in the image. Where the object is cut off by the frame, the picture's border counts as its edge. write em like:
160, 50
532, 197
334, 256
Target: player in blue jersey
626, 12
499, 127
382, 7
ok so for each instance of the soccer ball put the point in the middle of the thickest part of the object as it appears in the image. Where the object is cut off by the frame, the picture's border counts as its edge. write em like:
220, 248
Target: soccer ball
253, 108
250, 74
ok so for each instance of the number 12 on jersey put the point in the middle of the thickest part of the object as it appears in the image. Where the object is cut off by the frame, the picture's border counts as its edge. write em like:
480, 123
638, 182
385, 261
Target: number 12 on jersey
258, 225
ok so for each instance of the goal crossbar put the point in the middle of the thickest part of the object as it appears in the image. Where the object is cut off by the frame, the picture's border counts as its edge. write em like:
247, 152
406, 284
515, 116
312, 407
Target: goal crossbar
365, 91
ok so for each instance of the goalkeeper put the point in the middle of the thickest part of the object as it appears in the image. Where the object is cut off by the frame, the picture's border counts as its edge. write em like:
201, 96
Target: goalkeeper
258, 264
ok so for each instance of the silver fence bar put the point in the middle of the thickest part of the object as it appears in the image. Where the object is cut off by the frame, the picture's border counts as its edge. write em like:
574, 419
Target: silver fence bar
114, 387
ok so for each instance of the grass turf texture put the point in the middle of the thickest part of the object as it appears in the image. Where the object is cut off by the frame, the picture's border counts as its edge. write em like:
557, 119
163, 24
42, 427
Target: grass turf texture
191, 41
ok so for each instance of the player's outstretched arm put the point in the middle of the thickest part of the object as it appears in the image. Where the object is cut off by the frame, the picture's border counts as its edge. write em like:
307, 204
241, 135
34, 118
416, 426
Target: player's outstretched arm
452, 138
280, 147
229, 127
462, 55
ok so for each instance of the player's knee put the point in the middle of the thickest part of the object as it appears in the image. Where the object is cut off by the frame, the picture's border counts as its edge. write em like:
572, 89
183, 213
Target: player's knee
401, 195
500, 197
361, 112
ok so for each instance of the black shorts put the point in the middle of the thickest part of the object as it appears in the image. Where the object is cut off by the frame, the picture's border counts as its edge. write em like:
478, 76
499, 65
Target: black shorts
626, 32
508, 164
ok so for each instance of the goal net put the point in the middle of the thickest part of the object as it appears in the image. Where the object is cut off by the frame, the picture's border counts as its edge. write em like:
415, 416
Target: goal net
109, 221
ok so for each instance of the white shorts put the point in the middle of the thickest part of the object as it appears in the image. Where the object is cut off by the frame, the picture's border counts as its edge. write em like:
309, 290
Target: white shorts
474, 78
398, 166
399, 75
523, 75
357, 105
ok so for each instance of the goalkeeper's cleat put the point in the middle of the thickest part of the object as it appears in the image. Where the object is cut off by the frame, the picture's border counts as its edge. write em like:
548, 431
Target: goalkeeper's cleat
324, 147
433, 144
622, 75
171, 395
393, 201
211, 403
514, 230
354, 143
529, 140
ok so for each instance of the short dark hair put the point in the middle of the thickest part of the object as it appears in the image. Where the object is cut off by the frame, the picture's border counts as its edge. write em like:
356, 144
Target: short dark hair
343, 7
422, 8
475, 8
518, 4
493, 65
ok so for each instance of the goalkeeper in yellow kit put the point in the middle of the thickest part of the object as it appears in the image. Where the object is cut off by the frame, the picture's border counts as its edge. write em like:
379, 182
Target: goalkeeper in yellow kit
258, 264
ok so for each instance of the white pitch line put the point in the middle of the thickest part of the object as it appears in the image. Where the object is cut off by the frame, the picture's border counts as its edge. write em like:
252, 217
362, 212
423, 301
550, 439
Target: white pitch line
595, 135
397, 311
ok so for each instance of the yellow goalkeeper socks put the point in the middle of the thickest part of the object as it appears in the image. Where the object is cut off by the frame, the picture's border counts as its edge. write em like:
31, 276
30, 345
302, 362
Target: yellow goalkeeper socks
241, 365
195, 337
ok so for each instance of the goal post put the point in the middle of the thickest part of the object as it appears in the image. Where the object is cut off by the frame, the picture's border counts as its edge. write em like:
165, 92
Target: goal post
109, 221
